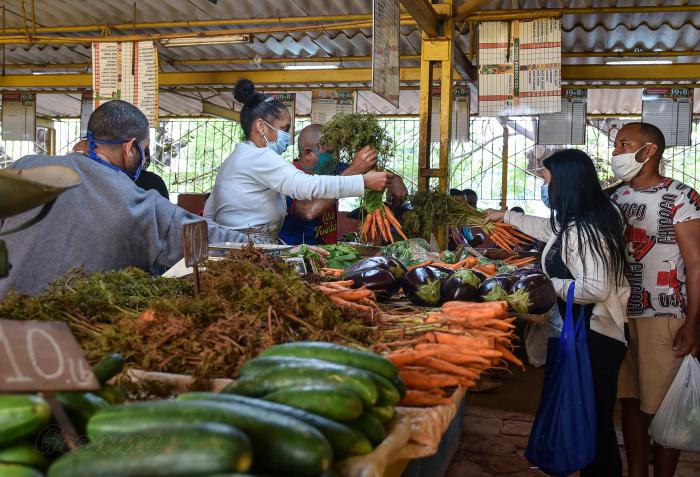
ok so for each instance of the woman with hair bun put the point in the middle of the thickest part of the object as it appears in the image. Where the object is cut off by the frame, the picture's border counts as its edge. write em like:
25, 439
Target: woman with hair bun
250, 191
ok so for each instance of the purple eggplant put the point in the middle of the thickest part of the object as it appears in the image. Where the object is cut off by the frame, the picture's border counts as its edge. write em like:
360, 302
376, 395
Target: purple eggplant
380, 281
495, 288
390, 264
462, 285
480, 275
422, 286
532, 294
441, 272
524, 272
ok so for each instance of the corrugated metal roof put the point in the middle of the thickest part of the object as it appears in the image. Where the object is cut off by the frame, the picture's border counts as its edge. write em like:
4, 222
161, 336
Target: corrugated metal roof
580, 33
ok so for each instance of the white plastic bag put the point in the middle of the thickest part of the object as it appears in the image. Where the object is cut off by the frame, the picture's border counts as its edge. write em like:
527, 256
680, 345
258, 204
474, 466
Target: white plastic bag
537, 336
677, 422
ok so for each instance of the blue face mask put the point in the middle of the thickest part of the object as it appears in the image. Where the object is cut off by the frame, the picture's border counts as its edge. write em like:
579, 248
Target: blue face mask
93, 155
325, 164
282, 141
544, 193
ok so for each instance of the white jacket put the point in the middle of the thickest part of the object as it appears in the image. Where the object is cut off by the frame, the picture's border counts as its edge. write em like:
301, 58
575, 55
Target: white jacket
253, 182
597, 285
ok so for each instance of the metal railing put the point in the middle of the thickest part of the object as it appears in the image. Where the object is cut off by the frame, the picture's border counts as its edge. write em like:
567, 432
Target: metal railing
188, 154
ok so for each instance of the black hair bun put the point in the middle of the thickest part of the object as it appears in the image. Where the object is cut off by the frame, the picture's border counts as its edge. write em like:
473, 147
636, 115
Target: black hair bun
244, 92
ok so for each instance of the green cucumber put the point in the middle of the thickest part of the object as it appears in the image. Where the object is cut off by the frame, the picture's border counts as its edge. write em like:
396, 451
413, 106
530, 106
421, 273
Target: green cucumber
196, 449
280, 443
264, 377
24, 453
80, 407
345, 442
370, 427
21, 416
384, 414
112, 394
108, 367
16, 470
336, 354
400, 386
329, 401
387, 393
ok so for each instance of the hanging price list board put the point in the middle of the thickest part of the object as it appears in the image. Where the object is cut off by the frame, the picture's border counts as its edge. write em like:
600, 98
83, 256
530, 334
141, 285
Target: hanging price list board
385, 49
127, 71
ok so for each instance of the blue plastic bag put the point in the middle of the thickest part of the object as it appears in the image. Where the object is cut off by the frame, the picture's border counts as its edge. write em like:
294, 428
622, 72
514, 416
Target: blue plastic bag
563, 436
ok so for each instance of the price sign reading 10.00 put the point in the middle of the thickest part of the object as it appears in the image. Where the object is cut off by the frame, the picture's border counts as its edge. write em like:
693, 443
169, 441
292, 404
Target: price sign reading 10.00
40, 356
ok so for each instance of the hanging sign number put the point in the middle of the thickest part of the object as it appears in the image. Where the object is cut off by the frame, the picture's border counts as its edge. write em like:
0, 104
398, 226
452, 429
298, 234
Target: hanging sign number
42, 356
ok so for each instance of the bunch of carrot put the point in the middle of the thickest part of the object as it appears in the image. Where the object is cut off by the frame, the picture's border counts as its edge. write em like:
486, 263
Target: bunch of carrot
331, 272
520, 262
468, 262
378, 223
508, 237
355, 301
455, 346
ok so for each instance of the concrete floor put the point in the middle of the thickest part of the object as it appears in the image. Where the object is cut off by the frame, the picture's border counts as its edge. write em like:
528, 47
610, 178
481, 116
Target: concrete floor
496, 429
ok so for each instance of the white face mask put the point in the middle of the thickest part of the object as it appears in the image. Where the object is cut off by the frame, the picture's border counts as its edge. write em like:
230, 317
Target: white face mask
625, 166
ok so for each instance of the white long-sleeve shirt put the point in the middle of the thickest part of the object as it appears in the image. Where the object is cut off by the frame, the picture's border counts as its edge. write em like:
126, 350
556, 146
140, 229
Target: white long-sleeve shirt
594, 282
253, 182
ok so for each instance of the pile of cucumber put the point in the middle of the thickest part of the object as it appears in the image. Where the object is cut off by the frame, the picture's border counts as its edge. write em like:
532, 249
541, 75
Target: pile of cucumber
293, 411
28, 441
355, 388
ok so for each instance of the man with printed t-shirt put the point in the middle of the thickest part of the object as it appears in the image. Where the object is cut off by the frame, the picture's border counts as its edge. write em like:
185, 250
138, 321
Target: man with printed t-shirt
315, 221
663, 269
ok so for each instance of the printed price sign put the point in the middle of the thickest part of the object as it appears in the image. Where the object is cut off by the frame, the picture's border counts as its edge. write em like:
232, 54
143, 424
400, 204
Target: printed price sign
42, 356
196, 243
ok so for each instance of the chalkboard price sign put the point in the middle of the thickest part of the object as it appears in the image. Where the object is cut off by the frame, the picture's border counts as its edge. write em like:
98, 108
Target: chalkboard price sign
196, 237
42, 356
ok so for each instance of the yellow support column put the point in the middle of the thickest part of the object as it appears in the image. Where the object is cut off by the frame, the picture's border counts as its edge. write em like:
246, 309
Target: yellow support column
435, 51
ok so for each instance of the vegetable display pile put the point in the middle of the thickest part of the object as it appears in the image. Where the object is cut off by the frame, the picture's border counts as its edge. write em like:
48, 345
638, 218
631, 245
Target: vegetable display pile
433, 209
158, 325
447, 349
348, 133
293, 411
525, 290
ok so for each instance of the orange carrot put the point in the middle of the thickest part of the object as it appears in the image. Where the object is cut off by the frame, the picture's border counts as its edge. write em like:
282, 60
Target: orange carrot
348, 304
367, 226
340, 284
427, 262
387, 225
416, 380
459, 340
507, 355
464, 359
472, 351
355, 295
415, 398
468, 305
449, 368
392, 220
403, 358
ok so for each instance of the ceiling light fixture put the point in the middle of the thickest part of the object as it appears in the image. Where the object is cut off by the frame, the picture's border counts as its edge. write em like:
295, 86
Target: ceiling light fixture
205, 40
309, 66
639, 62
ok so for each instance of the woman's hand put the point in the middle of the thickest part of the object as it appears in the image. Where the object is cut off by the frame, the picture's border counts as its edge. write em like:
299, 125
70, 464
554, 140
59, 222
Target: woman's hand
493, 215
365, 159
377, 181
